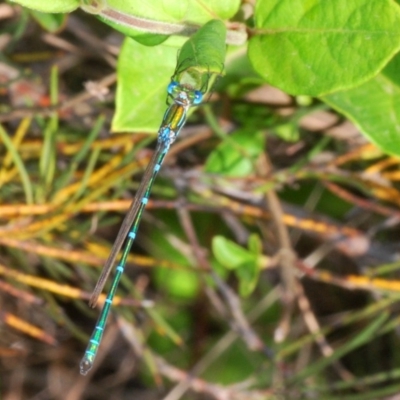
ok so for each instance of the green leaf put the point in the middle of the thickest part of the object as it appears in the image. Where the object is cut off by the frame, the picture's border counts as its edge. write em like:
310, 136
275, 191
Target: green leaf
245, 263
374, 107
229, 254
53, 6
247, 274
316, 47
143, 76
50, 22
204, 53
161, 18
236, 156
255, 245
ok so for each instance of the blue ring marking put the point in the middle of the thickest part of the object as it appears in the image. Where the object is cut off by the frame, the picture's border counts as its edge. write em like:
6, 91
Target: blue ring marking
109, 301
90, 353
164, 134
120, 269
94, 342
145, 200
99, 328
132, 235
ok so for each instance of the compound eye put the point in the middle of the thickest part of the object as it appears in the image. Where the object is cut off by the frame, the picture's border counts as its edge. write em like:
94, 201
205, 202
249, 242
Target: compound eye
172, 86
198, 97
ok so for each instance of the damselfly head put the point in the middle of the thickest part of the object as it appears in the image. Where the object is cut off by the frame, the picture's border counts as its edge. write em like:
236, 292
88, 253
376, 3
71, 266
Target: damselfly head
184, 95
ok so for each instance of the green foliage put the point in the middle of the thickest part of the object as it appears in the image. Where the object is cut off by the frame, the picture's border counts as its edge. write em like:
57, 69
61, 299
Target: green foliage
237, 155
374, 107
317, 47
141, 92
176, 10
303, 47
343, 52
117, 13
246, 263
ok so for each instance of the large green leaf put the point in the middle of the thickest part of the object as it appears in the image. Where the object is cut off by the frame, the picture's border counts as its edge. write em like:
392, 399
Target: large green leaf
143, 76
374, 107
53, 6
318, 46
